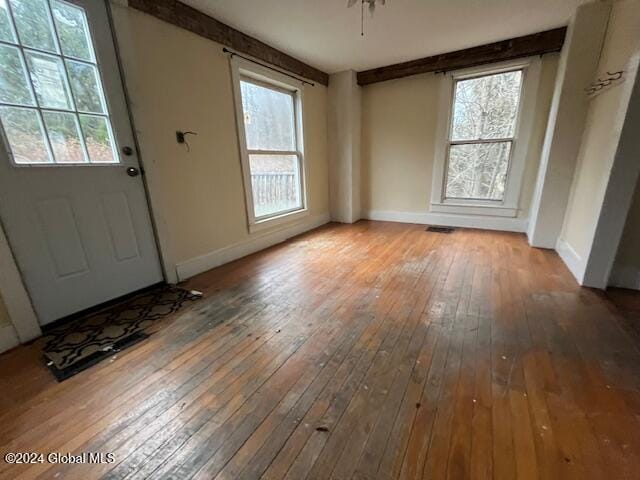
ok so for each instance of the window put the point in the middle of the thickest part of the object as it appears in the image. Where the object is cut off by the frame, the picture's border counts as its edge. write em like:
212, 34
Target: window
485, 110
270, 134
52, 104
482, 148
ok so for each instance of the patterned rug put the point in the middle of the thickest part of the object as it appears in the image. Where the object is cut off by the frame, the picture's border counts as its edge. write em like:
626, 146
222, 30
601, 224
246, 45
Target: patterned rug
81, 343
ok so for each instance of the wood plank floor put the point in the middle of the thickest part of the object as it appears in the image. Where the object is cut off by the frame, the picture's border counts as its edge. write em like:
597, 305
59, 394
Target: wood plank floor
369, 351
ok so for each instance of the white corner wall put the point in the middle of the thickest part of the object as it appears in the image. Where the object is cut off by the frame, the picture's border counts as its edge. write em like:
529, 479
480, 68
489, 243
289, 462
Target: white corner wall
608, 159
577, 68
617, 201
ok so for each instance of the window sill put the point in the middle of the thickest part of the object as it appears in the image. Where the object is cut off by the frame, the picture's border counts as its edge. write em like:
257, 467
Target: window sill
471, 209
284, 219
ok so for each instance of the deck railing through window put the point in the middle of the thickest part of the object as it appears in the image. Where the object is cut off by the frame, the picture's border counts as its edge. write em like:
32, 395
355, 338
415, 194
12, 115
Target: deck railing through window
274, 191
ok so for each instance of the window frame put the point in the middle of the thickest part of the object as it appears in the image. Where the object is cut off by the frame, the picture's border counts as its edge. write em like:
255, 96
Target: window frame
244, 70
509, 205
59, 54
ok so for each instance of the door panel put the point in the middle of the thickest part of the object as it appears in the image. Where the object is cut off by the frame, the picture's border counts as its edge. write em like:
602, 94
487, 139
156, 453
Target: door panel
60, 231
79, 228
117, 213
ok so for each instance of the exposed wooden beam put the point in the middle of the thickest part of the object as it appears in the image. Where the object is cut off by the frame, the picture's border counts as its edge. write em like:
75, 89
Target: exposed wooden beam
529, 45
184, 16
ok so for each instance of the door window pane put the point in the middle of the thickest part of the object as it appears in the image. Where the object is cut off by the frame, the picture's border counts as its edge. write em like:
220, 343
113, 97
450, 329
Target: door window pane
6, 30
34, 24
98, 137
23, 129
64, 135
85, 84
73, 30
268, 118
478, 170
14, 87
486, 107
275, 183
49, 80
79, 130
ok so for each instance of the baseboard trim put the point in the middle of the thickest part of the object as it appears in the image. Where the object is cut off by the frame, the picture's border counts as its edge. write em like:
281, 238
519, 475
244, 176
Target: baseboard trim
450, 220
571, 259
253, 244
625, 277
8, 338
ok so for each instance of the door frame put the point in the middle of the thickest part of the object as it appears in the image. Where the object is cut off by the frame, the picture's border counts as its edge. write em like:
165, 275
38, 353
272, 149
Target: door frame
13, 290
150, 185
15, 295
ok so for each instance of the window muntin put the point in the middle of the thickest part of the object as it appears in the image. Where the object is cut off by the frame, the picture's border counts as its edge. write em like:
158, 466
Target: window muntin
482, 135
52, 104
274, 160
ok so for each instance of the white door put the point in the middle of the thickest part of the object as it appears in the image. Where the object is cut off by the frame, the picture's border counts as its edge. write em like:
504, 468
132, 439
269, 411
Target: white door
72, 201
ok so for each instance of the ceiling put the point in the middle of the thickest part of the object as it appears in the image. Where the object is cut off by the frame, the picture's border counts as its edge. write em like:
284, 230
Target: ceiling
326, 35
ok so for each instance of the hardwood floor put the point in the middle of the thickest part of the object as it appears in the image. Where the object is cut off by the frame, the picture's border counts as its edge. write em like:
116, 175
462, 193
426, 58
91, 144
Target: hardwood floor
627, 302
370, 351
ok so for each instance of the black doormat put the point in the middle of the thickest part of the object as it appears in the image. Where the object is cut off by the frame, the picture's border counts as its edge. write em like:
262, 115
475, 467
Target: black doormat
77, 345
438, 229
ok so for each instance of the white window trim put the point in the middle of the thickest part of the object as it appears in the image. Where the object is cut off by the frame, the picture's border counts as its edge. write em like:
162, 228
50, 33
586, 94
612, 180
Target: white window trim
243, 68
509, 206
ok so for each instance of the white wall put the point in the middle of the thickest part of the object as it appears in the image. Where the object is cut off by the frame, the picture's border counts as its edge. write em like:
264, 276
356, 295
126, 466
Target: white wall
618, 197
600, 142
399, 124
576, 69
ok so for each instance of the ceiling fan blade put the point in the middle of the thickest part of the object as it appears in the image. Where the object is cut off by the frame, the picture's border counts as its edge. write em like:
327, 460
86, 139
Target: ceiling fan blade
383, 2
351, 3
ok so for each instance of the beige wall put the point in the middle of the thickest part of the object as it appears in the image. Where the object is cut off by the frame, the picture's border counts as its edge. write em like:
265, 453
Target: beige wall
180, 81
602, 131
345, 135
399, 123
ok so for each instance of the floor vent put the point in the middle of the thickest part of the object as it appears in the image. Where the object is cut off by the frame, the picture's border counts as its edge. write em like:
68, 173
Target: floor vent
437, 229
